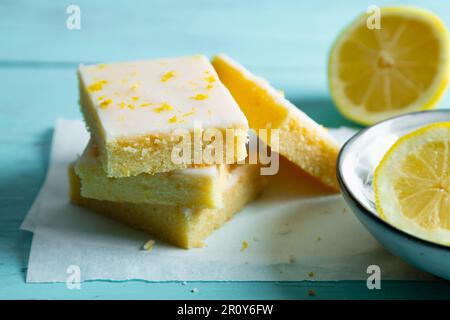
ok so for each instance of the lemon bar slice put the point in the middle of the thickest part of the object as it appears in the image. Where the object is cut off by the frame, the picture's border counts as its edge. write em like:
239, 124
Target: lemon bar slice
138, 112
181, 226
301, 140
191, 187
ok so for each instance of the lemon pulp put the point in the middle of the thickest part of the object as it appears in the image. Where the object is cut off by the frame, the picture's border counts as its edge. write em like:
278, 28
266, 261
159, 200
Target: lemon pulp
412, 183
403, 66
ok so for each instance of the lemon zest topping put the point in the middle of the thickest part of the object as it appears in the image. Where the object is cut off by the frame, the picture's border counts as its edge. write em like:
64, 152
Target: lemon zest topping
173, 119
210, 79
135, 98
145, 104
187, 114
105, 103
121, 105
97, 86
134, 86
130, 106
167, 76
200, 96
164, 107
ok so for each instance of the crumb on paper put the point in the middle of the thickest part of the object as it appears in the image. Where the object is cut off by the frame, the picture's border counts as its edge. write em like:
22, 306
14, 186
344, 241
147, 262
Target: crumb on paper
319, 238
292, 259
311, 274
256, 239
244, 246
311, 292
344, 210
148, 246
183, 283
194, 290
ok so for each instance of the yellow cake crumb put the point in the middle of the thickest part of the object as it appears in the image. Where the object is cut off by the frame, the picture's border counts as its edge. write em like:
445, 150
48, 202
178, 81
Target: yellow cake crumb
244, 246
148, 246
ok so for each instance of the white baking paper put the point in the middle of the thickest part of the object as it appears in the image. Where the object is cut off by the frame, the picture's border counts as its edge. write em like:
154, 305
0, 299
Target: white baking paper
295, 231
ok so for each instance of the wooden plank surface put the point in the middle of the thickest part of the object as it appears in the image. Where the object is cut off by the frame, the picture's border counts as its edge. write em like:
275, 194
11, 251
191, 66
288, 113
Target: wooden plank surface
285, 41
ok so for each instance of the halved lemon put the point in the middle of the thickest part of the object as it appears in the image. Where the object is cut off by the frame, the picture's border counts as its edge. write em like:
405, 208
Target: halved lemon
412, 183
375, 74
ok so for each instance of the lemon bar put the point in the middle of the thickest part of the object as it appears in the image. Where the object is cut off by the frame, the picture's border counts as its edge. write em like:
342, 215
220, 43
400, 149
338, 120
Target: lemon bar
201, 187
301, 140
181, 226
138, 113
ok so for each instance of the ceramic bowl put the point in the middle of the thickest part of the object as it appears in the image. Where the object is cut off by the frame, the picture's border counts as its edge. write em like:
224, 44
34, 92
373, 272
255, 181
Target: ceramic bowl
356, 164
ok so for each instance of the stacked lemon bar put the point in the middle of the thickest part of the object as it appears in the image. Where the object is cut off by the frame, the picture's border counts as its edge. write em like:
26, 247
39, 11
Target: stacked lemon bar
139, 113
300, 139
152, 125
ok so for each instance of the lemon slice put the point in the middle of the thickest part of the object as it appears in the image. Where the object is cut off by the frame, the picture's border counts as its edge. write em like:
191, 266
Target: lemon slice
412, 183
375, 74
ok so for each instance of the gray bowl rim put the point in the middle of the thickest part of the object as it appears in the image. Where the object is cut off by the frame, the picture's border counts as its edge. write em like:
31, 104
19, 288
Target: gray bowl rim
349, 194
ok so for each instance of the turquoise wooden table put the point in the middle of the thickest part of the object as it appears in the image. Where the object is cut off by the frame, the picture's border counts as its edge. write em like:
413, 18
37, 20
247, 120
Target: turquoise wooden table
285, 41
